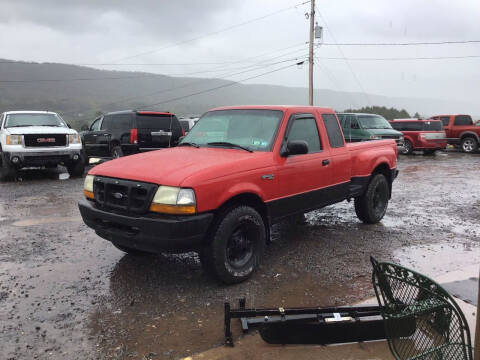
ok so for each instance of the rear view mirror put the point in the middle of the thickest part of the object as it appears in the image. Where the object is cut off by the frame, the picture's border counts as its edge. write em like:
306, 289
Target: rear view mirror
296, 147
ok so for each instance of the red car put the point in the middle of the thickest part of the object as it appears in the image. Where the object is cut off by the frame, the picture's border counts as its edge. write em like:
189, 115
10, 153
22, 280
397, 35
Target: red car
239, 170
426, 135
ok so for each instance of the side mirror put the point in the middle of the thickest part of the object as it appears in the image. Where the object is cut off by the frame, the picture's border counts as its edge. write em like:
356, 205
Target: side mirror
296, 147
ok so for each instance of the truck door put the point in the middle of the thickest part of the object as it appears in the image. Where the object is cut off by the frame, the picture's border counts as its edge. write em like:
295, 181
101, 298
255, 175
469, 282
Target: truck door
303, 180
93, 139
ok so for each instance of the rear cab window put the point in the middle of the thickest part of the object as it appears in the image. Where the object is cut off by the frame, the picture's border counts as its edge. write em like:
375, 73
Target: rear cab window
463, 120
334, 133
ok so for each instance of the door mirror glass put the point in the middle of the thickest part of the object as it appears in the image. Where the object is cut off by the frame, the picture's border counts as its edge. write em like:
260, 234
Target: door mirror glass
296, 147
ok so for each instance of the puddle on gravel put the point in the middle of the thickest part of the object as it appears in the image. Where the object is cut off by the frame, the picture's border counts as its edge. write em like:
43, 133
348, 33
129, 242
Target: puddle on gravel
438, 259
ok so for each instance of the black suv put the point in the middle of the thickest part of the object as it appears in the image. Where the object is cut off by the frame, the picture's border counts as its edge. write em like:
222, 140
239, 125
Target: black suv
128, 132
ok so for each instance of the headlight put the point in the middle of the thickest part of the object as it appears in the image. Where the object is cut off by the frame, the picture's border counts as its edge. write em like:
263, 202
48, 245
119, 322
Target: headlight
174, 200
14, 139
74, 139
88, 187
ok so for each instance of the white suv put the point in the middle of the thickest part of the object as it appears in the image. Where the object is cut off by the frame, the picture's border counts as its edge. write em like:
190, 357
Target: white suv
37, 139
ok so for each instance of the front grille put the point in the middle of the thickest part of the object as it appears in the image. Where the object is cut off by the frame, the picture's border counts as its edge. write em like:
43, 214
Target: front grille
123, 196
390, 137
45, 140
44, 160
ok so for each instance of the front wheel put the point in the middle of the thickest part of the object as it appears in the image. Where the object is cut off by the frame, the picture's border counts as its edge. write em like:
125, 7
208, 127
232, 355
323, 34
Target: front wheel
7, 171
469, 145
407, 148
237, 245
117, 152
76, 169
372, 205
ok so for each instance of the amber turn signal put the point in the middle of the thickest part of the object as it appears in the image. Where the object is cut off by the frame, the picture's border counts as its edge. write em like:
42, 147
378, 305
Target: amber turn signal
173, 209
88, 194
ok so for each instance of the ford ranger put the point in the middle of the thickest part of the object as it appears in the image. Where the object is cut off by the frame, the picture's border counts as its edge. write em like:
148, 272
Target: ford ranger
37, 139
238, 171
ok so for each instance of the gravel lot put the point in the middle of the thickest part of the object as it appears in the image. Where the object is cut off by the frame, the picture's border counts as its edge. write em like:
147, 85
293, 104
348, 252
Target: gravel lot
67, 294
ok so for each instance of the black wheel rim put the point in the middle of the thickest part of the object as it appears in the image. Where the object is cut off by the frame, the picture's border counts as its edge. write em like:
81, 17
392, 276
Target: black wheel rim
380, 199
240, 245
407, 147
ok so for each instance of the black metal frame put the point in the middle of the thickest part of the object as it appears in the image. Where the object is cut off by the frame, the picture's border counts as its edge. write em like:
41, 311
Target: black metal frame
367, 319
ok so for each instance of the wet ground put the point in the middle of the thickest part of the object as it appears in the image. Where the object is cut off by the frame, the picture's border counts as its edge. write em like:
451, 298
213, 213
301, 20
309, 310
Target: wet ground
67, 294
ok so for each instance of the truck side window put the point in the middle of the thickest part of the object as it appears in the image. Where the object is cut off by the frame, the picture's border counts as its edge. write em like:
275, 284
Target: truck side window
107, 122
333, 130
445, 120
96, 125
463, 120
306, 129
353, 122
121, 122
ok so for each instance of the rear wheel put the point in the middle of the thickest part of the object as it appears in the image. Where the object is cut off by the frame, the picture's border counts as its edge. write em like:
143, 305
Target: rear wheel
407, 147
372, 205
469, 144
237, 245
117, 152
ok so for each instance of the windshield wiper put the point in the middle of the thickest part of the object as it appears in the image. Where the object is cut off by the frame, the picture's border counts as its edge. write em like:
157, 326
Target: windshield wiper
224, 143
186, 143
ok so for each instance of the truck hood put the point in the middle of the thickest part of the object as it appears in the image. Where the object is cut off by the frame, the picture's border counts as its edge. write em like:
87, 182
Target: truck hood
175, 165
24, 130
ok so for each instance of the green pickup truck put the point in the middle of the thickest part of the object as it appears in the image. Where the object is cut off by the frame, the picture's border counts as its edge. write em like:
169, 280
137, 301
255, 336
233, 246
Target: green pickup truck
363, 127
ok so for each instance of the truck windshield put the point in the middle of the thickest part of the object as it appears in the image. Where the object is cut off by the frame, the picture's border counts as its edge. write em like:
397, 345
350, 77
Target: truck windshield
252, 129
18, 120
373, 122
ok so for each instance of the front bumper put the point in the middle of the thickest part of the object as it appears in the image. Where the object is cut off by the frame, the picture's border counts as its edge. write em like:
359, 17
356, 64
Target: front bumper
42, 158
150, 232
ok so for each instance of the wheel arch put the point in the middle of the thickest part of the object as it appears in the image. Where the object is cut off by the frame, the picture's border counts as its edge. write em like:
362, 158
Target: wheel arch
385, 170
250, 199
469, 134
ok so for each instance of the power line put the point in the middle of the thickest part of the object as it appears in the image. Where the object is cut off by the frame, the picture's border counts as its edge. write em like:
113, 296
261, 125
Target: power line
249, 69
215, 32
405, 58
225, 85
405, 43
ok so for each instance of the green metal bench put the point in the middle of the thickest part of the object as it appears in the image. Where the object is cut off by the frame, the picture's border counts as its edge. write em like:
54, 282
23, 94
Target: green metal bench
441, 331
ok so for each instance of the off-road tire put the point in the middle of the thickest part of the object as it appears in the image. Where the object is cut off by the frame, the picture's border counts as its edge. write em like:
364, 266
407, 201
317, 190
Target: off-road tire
76, 169
372, 205
407, 147
117, 152
224, 243
469, 144
130, 251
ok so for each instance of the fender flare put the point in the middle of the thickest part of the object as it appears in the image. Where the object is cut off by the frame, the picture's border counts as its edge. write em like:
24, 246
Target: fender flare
469, 133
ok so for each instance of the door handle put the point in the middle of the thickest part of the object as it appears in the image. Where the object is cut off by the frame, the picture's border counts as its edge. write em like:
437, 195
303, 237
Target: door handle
325, 162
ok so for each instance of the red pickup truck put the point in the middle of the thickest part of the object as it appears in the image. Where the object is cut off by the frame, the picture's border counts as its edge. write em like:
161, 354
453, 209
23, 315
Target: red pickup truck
238, 171
461, 130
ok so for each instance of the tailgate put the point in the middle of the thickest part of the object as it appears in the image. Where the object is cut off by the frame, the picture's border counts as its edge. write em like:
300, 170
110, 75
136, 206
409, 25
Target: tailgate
155, 131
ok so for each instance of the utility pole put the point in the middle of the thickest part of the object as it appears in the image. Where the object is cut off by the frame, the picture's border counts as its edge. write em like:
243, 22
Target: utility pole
310, 56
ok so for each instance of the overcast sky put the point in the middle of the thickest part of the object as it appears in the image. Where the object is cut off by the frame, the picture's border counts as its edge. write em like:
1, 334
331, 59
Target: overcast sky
115, 31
